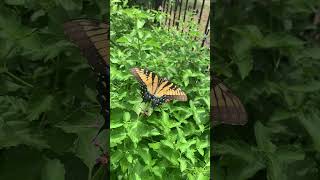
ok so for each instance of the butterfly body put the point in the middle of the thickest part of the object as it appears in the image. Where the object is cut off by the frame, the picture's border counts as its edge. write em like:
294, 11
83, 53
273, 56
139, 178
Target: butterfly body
92, 37
155, 101
155, 89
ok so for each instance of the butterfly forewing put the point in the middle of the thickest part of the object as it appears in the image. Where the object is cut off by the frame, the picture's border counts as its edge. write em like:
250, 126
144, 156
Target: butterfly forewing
159, 91
92, 38
155, 85
226, 107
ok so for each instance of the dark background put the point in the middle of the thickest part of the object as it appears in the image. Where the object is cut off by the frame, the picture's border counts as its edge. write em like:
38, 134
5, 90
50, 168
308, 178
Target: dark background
48, 107
267, 52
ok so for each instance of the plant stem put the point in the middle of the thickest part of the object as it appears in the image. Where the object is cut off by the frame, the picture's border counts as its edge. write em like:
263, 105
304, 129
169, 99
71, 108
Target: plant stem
18, 79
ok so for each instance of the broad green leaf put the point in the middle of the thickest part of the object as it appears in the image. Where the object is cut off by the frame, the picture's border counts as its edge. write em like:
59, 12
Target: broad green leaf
310, 121
307, 87
183, 164
140, 24
242, 57
53, 170
263, 138
282, 114
117, 137
15, 2
40, 105
251, 32
145, 155
275, 168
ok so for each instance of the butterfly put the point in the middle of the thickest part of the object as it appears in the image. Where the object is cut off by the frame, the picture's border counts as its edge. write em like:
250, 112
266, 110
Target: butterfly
226, 107
155, 89
92, 37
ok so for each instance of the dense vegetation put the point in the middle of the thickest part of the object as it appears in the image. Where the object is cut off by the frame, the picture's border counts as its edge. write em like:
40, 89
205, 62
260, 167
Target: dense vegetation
48, 106
268, 53
173, 142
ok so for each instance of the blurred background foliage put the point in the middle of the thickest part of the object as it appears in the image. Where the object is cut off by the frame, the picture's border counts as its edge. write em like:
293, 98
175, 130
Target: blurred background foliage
268, 53
48, 106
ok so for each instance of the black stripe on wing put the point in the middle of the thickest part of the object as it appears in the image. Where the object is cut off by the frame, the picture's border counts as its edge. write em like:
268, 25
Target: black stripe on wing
226, 107
92, 38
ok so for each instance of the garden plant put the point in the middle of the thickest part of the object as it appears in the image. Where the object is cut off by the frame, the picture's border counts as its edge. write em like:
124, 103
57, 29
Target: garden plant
172, 142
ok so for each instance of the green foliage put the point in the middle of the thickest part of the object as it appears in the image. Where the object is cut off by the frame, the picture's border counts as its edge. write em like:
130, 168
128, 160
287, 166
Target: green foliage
47, 92
265, 56
172, 142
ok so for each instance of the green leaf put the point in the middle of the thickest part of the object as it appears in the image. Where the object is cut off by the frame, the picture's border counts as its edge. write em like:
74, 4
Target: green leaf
201, 145
310, 121
126, 116
190, 155
183, 164
307, 87
281, 40
169, 154
40, 105
145, 155
275, 168
117, 137
243, 57
37, 14
70, 5
158, 171
140, 23
155, 146
263, 138
15, 2
53, 170
251, 32
282, 114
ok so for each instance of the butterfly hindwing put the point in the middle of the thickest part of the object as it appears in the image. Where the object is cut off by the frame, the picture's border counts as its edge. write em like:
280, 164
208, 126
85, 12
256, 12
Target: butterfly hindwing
226, 107
156, 89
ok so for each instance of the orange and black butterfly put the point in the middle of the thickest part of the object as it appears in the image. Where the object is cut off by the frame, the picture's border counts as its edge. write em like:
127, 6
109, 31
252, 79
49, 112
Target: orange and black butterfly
156, 89
226, 108
92, 37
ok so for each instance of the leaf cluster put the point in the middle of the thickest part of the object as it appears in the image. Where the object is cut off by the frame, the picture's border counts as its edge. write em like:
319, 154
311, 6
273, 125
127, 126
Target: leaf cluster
263, 51
48, 104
